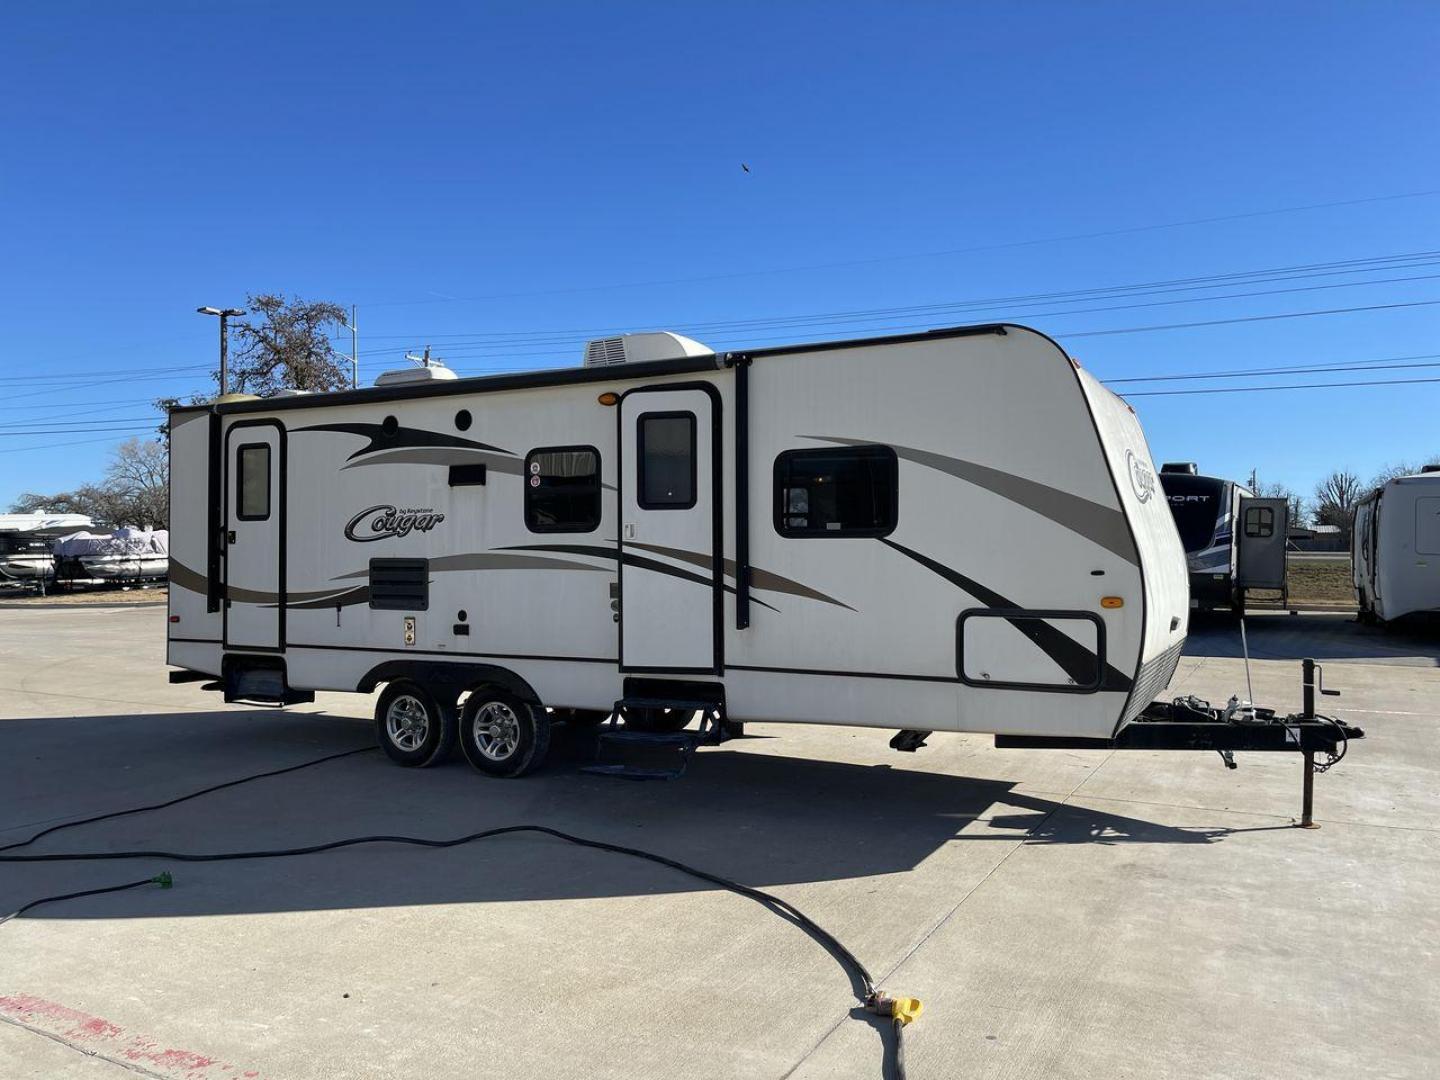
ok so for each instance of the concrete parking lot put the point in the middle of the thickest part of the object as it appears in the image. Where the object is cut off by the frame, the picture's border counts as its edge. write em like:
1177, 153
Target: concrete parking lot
1061, 914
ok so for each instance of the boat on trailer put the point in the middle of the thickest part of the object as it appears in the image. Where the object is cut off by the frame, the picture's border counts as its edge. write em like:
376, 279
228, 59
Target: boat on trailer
27, 543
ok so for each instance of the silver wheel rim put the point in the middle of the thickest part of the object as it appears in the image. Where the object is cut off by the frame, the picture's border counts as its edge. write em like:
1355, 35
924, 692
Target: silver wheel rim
407, 723
496, 730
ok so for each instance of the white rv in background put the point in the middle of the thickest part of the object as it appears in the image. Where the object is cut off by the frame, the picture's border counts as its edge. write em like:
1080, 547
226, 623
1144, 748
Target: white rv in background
1395, 548
1234, 541
950, 531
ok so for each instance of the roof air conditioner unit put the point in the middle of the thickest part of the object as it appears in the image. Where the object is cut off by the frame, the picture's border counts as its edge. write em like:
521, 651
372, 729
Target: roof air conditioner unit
638, 348
1185, 467
411, 375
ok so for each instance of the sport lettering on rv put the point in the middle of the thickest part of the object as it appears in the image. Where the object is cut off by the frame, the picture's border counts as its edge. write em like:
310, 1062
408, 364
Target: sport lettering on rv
384, 521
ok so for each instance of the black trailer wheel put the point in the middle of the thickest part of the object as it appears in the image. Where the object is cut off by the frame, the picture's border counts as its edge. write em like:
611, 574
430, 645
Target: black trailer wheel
413, 726
658, 721
502, 735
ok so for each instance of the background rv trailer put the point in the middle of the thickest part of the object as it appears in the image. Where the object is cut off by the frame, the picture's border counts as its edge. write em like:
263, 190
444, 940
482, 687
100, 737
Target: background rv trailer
957, 530
1395, 547
1225, 560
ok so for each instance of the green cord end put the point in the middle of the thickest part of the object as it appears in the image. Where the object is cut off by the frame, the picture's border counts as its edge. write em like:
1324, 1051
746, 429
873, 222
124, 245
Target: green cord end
164, 880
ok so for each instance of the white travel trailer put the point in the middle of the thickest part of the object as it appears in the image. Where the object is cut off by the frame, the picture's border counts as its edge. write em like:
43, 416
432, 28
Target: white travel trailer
1234, 540
1395, 547
950, 531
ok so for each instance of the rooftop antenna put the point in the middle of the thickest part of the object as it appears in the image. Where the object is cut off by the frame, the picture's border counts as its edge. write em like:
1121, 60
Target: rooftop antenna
424, 361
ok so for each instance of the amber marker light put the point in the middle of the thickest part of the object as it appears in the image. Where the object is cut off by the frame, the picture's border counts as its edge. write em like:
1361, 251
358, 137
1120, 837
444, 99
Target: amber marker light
1112, 601
609, 398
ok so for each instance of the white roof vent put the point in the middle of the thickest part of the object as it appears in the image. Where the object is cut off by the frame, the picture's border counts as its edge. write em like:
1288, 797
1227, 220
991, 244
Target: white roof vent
637, 348
412, 375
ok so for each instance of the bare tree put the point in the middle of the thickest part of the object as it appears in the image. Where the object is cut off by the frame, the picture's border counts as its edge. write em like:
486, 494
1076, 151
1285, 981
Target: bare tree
135, 491
1278, 490
139, 477
1335, 499
1402, 468
286, 344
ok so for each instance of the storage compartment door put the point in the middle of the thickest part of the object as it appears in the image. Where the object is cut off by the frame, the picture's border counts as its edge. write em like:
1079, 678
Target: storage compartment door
1019, 649
1262, 529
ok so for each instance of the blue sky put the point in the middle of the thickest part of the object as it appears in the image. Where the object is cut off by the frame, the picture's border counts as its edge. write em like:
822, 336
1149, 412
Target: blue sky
467, 172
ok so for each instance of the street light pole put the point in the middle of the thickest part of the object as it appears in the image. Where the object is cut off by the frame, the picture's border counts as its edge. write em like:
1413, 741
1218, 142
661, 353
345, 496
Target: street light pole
354, 327
224, 314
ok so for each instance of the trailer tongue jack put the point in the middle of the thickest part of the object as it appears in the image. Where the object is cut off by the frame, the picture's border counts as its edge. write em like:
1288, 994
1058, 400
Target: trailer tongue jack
1188, 723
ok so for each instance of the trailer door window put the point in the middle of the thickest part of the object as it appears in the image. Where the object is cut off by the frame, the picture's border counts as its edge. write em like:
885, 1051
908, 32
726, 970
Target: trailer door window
665, 447
847, 491
252, 484
1259, 522
562, 489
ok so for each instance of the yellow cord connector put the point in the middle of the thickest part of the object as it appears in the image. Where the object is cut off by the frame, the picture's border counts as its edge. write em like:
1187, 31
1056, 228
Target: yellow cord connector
903, 1009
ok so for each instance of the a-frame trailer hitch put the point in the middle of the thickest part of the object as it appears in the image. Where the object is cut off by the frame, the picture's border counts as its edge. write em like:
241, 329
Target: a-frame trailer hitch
1188, 723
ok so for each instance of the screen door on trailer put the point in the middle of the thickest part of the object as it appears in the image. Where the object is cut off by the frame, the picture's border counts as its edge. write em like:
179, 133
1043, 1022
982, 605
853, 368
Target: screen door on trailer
668, 595
1264, 529
254, 459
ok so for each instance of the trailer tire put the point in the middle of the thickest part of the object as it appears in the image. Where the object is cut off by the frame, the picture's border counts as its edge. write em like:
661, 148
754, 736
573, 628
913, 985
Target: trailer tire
501, 735
413, 726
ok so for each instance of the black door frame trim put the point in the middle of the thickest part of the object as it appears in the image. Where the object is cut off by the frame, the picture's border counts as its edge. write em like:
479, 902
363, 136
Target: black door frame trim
717, 523
282, 527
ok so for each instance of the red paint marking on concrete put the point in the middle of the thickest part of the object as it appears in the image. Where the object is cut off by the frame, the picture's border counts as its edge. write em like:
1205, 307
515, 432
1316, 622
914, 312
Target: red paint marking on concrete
100, 1036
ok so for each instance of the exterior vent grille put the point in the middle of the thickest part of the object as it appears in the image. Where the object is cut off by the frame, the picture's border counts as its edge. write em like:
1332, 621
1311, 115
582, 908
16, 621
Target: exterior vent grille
605, 351
400, 584
1154, 676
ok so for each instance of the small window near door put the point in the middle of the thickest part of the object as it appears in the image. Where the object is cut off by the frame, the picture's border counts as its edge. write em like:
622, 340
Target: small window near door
252, 484
849, 491
1259, 522
562, 489
665, 446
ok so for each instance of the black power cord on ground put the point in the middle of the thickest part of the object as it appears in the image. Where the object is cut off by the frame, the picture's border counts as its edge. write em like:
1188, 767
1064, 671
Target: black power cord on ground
900, 1011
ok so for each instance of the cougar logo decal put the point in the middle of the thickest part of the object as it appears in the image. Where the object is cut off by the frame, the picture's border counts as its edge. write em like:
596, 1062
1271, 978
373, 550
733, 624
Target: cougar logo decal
1142, 477
384, 521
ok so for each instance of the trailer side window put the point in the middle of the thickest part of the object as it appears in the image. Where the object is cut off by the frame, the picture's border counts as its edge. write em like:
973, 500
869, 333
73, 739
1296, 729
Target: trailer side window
665, 447
847, 491
562, 489
1259, 522
252, 482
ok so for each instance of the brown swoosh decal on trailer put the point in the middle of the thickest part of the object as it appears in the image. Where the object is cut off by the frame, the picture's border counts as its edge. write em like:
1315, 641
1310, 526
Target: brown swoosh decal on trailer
402, 437
1101, 524
185, 578
438, 455
493, 561
1072, 658
638, 562
759, 579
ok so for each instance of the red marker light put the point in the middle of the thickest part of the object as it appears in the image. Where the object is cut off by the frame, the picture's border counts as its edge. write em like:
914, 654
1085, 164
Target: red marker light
174, 618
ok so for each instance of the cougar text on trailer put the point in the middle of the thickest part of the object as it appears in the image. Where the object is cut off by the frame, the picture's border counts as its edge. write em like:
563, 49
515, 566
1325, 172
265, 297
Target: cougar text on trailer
950, 531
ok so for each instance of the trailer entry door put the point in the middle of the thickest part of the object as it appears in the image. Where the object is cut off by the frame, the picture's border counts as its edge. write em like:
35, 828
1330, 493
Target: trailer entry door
254, 536
1263, 528
671, 580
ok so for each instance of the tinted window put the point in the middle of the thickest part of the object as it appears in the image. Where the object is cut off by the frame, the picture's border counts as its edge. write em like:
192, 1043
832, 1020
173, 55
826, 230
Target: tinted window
1195, 503
252, 486
1259, 521
666, 451
850, 491
562, 489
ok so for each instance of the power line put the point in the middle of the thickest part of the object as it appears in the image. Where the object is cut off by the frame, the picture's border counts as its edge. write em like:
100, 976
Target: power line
1344, 365
1246, 319
1415, 260
1290, 386
70, 431
68, 442
1100, 234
